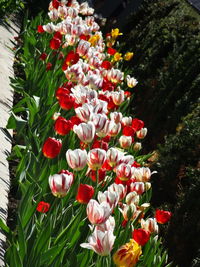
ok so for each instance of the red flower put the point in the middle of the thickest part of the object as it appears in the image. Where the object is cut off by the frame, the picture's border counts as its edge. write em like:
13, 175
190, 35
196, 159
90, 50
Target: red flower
43, 56
137, 124
162, 216
62, 126
106, 166
75, 121
55, 4
51, 148
106, 65
40, 29
128, 131
136, 164
84, 37
85, 193
61, 91
43, 206
71, 59
100, 144
141, 236
107, 86
111, 51
66, 102
57, 35
55, 43
127, 93
48, 66
93, 175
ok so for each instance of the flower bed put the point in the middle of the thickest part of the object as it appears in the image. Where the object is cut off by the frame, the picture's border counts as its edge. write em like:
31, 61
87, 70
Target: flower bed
79, 147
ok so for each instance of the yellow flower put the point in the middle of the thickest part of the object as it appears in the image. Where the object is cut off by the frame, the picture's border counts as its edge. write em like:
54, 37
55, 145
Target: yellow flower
117, 56
128, 254
94, 39
128, 56
115, 33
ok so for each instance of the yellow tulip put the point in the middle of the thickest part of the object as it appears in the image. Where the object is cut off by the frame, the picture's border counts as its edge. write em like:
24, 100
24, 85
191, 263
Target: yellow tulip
115, 33
128, 254
128, 56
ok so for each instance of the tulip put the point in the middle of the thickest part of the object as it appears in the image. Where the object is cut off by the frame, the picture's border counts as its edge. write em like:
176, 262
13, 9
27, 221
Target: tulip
115, 76
128, 254
62, 126
55, 43
137, 124
43, 207
51, 148
114, 131
132, 198
141, 236
60, 183
142, 174
107, 128
116, 117
130, 212
125, 141
85, 131
128, 56
96, 158
100, 242
98, 213
83, 48
150, 225
85, 112
128, 131
76, 159
40, 29
138, 187
85, 193
112, 198
93, 175
163, 216
113, 156
99, 121
108, 225
66, 102
127, 121
124, 171
118, 97
137, 146
141, 133
131, 82
120, 189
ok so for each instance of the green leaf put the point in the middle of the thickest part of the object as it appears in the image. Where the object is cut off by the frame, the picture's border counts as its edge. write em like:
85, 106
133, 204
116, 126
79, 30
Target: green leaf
22, 241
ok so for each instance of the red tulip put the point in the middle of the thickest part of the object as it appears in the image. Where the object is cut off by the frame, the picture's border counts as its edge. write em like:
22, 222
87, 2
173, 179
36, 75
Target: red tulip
111, 51
93, 175
66, 102
62, 126
51, 148
137, 124
128, 131
141, 236
55, 43
75, 121
55, 4
57, 35
106, 65
62, 91
85, 193
43, 206
40, 29
162, 216
71, 59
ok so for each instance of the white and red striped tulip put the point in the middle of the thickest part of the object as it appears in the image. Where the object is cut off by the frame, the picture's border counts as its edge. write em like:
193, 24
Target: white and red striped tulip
141, 133
85, 131
124, 171
98, 213
96, 158
125, 141
60, 183
76, 159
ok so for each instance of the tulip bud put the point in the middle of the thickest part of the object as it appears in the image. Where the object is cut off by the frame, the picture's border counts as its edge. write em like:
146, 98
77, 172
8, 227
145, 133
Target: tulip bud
85, 193
60, 183
51, 148
150, 225
43, 207
137, 146
132, 198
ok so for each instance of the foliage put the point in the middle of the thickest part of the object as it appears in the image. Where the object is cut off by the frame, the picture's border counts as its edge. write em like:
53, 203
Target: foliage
9, 6
165, 37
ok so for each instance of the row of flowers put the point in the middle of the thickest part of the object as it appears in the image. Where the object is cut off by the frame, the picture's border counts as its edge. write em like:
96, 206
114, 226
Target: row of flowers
99, 175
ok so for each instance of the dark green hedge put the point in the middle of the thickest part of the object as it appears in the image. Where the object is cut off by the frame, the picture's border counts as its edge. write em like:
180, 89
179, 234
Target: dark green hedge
165, 37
